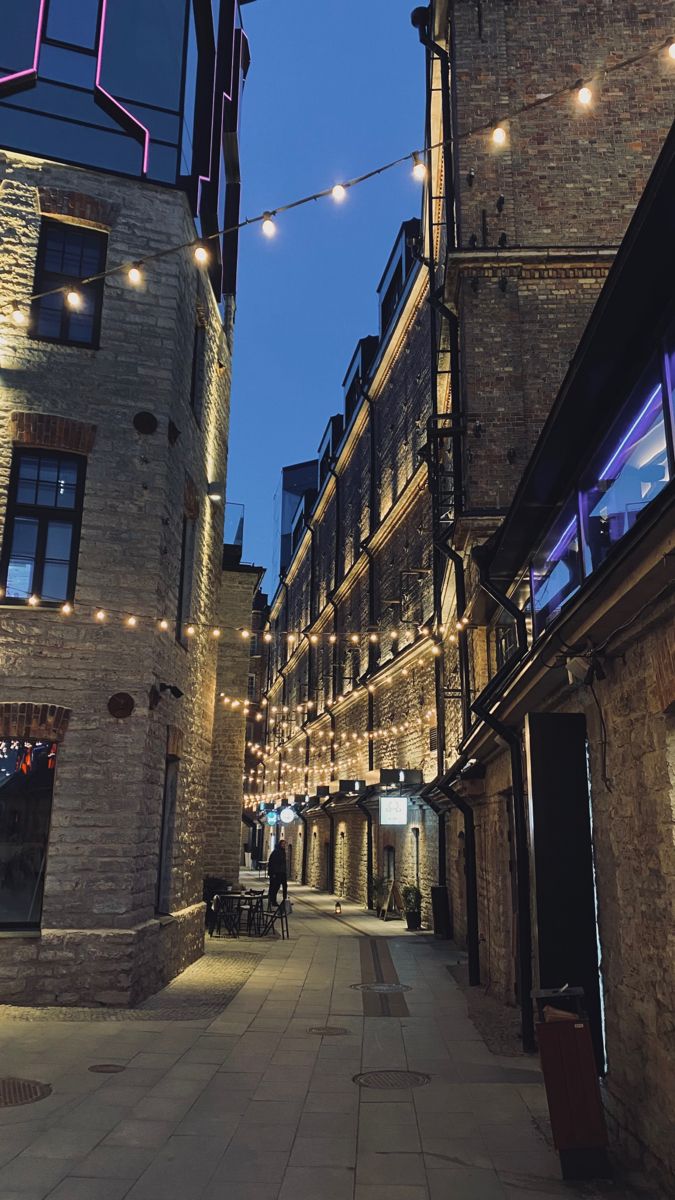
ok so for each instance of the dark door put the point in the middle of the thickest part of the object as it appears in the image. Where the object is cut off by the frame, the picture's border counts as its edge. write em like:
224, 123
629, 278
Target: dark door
562, 851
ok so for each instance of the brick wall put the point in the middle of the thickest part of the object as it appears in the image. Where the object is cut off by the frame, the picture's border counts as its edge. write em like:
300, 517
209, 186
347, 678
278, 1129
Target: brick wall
105, 833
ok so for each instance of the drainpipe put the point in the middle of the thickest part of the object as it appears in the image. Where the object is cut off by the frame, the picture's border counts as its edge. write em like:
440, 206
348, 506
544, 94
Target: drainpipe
373, 649
336, 477
421, 18
331, 717
522, 874
462, 643
334, 662
361, 803
373, 489
330, 882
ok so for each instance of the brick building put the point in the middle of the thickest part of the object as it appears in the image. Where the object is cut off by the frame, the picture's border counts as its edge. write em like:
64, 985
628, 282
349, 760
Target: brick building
114, 412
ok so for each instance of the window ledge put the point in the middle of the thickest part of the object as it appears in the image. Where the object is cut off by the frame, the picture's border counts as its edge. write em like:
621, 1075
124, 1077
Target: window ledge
20, 933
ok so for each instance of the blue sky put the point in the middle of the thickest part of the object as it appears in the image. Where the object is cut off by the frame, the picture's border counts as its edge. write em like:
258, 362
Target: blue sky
335, 88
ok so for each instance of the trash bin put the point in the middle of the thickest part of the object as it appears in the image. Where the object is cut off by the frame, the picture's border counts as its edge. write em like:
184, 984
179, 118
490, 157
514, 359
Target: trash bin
440, 908
572, 1086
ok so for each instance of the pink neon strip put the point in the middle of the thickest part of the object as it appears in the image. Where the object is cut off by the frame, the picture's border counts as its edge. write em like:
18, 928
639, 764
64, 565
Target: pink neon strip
144, 130
36, 51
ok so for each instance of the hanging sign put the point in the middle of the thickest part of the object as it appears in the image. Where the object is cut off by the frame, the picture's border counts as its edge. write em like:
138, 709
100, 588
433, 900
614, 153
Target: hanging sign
287, 815
272, 818
393, 810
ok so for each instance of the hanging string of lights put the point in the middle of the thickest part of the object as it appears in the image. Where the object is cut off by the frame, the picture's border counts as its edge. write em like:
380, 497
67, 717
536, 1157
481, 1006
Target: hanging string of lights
583, 90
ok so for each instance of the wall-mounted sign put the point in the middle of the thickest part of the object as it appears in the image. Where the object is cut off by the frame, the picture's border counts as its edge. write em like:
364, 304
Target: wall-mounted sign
393, 810
287, 815
272, 818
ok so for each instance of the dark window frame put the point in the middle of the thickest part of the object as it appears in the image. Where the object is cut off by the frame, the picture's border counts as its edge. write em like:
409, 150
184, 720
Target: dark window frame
48, 281
43, 514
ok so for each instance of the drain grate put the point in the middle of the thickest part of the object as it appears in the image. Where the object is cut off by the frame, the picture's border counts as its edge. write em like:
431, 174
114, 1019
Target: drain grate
389, 1080
384, 989
107, 1068
328, 1030
22, 1091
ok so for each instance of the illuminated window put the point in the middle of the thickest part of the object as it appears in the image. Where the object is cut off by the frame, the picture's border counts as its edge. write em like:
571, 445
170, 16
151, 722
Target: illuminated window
66, 255
627, 472
556, 567
42, 527
26, 789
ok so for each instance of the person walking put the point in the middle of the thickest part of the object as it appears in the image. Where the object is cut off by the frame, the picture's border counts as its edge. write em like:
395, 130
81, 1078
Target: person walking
276, 869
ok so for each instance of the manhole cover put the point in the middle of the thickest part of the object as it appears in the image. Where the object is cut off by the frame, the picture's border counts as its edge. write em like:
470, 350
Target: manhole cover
22, 1091
388, 1080
384, 988
107, 1068
327, 1030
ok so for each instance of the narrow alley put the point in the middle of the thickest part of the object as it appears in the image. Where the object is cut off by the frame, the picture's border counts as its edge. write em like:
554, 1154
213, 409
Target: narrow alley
239, 1081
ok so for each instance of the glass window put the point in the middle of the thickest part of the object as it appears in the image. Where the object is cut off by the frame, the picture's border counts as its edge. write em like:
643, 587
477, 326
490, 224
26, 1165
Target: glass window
74, 22
627, 472
556, 567
19, 31
66, 255
40, 546
26, 788
670, 377
167, 832
144, 50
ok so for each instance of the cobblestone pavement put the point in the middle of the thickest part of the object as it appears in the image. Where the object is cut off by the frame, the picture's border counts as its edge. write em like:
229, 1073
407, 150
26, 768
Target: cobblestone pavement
253, 1102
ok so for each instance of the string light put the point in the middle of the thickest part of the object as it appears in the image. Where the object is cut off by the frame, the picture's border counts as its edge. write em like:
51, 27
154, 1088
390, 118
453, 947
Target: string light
73, 298
190, 631
164, 624
584, 96
268, 225
419, 168
498, 135
66, 609
215, 633
100, 615
135, 275
18, 315
132, 622
339, 193
33, 601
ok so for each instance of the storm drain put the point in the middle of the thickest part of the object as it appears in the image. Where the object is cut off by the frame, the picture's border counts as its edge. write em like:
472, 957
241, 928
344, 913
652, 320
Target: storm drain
328, 1030
107, 1068
385, 989
389, 1080
22, 1091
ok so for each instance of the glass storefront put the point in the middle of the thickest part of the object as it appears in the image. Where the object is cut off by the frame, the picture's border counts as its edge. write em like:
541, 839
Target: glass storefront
26, 788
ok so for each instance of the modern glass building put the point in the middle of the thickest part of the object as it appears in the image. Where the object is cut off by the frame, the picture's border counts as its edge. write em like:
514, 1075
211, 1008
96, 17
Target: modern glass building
147, 88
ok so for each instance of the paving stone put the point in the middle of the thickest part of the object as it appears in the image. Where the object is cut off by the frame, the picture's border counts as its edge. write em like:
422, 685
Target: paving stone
466, 1184
300, 1183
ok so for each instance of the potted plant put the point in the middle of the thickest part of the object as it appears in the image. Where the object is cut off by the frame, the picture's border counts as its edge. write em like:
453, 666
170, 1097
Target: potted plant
379, 892
412, 902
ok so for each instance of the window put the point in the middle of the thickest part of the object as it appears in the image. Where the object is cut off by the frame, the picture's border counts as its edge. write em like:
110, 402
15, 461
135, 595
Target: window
627, 472
73, 22
250, 688
389, 862
253, 643
197, 375
26, 789
67, 254
556, 568
187, 559
42, 529
166, 840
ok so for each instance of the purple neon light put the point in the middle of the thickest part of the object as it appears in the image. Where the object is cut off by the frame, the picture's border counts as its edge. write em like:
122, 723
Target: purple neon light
564, 537
116, 104
631, 431
28, 71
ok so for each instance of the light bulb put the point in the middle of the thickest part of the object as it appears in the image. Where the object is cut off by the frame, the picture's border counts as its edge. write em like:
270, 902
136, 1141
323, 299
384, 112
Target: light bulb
245, 633
164, 624
499, 136
100, 615
66, 608
73, 298
201, 255
33, 601
584, 96
339, 193
134, 276
18, 315
419, 168
132, 622
671, 50
268, 226
215, 633
267, 637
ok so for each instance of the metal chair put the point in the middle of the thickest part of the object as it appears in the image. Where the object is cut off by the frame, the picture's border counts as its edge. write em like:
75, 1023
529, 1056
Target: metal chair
271, 917
227, 913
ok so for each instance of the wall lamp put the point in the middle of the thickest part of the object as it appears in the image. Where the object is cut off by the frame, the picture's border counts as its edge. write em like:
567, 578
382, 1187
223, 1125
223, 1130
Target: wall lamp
215, 492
